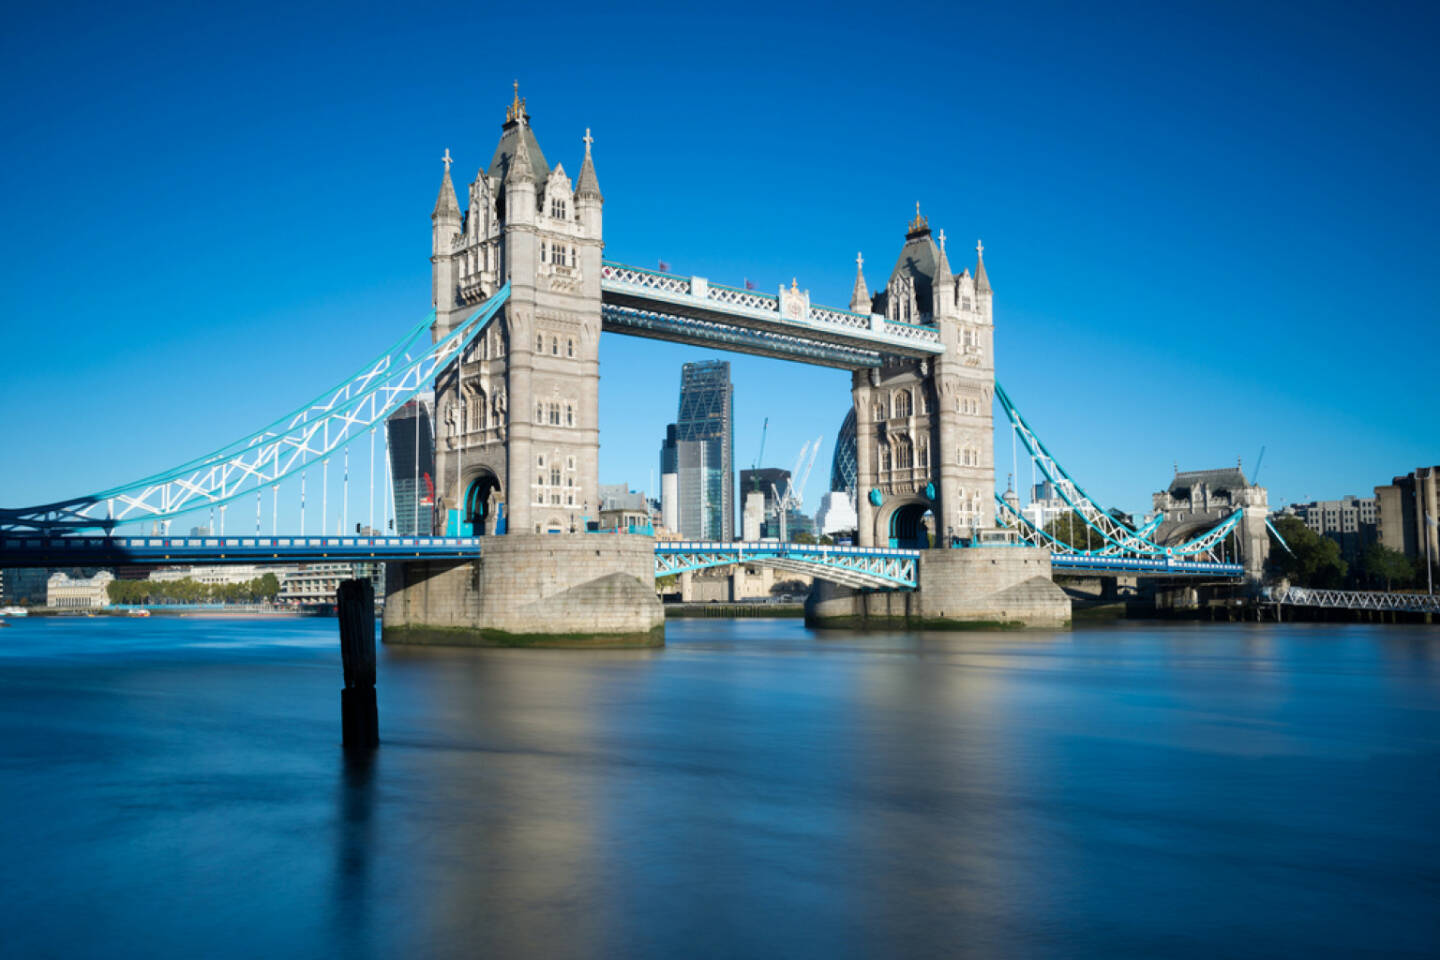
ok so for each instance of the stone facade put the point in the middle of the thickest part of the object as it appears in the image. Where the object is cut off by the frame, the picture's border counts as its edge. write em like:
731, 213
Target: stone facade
517, 418
923, 429
545, 590
1197, 500
978, 587
64, 592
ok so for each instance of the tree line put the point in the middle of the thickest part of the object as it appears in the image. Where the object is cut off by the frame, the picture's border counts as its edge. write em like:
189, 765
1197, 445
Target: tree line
188, 590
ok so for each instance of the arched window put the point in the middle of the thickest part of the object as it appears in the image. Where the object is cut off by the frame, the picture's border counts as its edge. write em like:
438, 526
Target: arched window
554, 346
539, 343
879, 411
569, 415
884, 457
554, 476
572, 256
570, 347
539, 413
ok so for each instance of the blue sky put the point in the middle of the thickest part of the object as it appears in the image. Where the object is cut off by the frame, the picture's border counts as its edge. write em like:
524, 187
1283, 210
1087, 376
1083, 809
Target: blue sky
1210, 227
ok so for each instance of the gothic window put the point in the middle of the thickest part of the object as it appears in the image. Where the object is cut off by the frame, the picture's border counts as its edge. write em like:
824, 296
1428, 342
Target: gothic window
555, 476
555, 499
557, 208
570, 347
539, 413
540, 461
879, 411
884, 457
539, 343
569, 463
569, 415
554, 346
554, 414
572, 256
544, 251
570, 499
902, 403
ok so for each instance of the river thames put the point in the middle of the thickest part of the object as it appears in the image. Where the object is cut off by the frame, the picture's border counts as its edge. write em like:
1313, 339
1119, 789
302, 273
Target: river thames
175, 787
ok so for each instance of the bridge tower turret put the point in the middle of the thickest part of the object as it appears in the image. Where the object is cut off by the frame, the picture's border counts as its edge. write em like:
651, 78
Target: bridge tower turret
924, 428
445, 224
518, 418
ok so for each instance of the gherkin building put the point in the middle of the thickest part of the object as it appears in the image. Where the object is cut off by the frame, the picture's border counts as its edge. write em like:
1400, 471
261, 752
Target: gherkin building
843, 470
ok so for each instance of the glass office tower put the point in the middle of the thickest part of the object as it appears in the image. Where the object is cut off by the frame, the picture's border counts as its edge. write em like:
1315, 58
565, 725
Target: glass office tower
699, 452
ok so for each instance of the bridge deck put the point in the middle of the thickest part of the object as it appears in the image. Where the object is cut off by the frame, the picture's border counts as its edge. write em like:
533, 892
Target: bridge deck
692, 310
858, 566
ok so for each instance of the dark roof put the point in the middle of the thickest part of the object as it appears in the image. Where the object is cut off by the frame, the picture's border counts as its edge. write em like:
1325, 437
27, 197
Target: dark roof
1228, 478
505, 151
917, 260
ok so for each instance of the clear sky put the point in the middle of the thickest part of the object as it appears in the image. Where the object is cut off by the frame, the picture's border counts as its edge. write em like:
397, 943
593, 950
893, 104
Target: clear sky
1210, 227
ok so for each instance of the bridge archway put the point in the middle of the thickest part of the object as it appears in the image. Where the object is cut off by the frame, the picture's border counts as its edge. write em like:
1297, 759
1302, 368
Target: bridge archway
906, 523
476, 511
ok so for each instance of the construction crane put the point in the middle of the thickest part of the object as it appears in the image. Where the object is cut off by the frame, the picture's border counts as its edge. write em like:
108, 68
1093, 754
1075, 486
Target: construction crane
794, 495
755, 480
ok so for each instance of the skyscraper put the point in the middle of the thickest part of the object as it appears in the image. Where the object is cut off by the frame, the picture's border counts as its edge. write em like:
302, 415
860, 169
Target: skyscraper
698, 454
412, 466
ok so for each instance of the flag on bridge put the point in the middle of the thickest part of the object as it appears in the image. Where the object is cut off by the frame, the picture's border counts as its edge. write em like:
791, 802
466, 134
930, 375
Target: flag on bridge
664, 267
749, 285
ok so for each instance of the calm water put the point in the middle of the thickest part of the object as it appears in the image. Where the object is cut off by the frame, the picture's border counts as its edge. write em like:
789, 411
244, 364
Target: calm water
175, 788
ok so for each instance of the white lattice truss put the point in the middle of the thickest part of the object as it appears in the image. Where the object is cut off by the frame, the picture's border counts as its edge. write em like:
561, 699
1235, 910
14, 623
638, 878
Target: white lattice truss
308, 435
1355, 599
719, 300
848, 566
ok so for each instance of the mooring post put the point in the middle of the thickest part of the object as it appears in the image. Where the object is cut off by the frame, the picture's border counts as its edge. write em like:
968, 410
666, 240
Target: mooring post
359, 721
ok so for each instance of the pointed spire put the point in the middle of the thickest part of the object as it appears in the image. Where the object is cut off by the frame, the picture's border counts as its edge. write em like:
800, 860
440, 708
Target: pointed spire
860, 296
942, 269
982, 282
521, 171
588, 186
446, 204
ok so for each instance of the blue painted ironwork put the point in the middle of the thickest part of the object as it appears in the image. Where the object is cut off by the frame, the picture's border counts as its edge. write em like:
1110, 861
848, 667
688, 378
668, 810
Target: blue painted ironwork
872, 567
1146, 566
309, 435
36, 550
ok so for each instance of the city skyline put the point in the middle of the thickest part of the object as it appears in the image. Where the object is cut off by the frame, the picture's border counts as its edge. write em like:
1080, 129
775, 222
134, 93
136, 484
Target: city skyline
1109, 234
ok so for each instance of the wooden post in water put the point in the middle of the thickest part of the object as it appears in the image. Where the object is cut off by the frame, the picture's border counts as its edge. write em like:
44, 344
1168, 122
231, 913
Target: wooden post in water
359, 721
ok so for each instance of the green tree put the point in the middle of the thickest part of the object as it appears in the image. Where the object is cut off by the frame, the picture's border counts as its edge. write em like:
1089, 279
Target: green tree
1312, 560
269, 586
803, 536
1393, 567
1071, 528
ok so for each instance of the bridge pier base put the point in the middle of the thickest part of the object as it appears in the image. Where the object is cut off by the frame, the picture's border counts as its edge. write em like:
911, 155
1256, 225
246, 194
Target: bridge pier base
530, 590
977, 588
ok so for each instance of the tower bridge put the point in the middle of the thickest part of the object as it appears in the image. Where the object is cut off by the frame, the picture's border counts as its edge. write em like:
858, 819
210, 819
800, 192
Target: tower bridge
520, 296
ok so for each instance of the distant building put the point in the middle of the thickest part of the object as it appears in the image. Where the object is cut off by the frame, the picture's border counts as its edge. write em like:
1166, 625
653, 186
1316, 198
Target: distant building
1046, 505
220, 574
623, 509
836, 514
697, 480
313, 584
843, 466
1349, 521
23, 586
766, 481
1407, 513
410, 434
66, 593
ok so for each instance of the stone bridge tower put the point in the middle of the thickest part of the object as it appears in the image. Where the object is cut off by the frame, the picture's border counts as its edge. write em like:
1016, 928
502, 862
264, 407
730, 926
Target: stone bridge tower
517, 431
924, 429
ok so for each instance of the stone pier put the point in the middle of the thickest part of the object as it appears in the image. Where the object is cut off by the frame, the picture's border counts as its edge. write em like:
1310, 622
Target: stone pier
543, 590
983, 587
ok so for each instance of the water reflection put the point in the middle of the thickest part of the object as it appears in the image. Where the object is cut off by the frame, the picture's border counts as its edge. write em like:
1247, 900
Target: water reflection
752, 789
